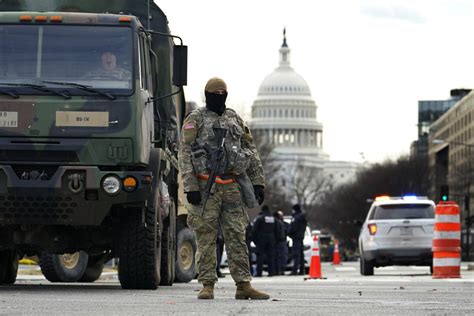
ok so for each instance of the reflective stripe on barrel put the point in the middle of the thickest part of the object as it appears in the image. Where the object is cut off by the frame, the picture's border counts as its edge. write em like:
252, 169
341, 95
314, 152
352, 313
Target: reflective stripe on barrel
446, 265
447, 218
447, 229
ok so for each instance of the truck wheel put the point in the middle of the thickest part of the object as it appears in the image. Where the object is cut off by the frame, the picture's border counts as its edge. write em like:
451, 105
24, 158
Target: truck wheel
366, 267
140, 249
168, 250
92, 273
65, 267
185, 261
8, 266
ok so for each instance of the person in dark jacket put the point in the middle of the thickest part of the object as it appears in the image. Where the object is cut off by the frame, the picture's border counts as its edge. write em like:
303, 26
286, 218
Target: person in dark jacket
248, 242
219, 252
263, 233
296, 232
281, 253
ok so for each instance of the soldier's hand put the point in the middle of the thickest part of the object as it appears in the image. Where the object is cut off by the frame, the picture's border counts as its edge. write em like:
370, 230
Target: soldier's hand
194, 197
259, 193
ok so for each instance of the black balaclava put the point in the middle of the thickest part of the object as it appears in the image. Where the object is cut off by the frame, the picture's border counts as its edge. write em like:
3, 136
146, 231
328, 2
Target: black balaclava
215, 102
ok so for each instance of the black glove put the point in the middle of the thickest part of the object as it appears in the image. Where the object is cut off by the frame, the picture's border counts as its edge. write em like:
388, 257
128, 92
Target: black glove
194, 197
259, 193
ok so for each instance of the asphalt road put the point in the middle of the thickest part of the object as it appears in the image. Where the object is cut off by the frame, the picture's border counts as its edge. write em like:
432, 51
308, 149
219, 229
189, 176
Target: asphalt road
392, 290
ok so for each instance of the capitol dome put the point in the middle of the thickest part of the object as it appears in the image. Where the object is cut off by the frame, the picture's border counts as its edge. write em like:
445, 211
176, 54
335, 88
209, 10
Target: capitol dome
285, 114
284, 81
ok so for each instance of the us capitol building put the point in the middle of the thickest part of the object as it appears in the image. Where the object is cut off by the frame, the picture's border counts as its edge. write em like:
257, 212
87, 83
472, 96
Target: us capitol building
284, 115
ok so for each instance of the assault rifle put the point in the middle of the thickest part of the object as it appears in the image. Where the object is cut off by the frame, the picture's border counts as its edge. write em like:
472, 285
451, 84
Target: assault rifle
216, 163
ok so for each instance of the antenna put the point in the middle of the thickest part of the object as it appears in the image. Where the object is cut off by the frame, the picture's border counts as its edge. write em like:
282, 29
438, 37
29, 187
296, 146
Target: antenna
148, 14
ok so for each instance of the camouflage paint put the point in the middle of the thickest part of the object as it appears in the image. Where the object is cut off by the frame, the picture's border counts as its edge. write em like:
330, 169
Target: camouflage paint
40, 145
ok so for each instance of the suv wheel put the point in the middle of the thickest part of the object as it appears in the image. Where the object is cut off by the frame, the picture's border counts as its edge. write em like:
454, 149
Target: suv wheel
366, 267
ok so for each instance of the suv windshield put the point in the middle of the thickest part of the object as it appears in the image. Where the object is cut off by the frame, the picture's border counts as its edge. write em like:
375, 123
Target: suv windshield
96, 56
403, 211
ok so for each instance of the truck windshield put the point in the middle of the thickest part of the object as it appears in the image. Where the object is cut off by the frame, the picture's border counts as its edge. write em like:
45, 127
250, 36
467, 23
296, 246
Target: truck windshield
97, 56
403, 211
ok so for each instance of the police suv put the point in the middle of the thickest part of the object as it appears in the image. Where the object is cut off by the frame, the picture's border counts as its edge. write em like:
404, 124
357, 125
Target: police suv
397, 231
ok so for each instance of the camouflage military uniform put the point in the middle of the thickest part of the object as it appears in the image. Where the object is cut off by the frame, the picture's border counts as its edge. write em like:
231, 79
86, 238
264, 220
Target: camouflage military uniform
224, 206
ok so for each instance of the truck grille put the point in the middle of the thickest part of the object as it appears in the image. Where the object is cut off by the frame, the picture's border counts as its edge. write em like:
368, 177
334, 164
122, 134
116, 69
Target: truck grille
24, 209
24, 172
38, 155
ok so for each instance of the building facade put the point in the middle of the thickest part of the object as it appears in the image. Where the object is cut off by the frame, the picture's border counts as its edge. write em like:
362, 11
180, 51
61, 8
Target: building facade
428, 112
451, 157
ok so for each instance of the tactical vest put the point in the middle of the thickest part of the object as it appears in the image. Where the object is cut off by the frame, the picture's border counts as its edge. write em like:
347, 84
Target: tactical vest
236, 158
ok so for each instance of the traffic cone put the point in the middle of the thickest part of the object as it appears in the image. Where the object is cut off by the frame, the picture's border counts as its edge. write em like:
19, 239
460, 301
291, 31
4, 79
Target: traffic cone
336, 259
315, 267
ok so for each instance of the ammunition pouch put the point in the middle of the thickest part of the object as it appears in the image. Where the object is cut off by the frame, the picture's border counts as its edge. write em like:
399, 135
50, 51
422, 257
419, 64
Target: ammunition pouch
238, 160
199, 158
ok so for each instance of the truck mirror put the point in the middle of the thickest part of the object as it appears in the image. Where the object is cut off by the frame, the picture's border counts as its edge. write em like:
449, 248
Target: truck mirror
180, 65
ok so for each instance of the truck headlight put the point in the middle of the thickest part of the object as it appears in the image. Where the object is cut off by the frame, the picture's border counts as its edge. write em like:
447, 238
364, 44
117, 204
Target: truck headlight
111, 184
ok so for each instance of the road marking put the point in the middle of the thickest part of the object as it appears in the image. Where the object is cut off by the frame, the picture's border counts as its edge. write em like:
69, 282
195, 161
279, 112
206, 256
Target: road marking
420, 268
346, 269
386, 268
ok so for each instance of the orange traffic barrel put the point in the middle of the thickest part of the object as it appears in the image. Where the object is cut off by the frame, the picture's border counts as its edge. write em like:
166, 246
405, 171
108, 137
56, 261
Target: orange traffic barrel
447, 241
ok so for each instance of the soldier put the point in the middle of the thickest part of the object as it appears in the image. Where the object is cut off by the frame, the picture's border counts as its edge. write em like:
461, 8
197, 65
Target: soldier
224, 206
109, 69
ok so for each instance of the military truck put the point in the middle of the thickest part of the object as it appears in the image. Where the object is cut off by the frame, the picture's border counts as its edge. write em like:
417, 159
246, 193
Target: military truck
90, 109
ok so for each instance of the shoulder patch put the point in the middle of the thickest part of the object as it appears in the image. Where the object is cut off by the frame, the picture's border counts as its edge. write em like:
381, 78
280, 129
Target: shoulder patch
190, 125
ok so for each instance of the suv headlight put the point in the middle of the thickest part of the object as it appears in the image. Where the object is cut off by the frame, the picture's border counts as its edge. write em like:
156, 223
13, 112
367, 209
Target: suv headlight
111, 184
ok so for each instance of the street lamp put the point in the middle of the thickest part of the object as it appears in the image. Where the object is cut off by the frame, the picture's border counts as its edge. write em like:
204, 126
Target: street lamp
468, 193
442, 141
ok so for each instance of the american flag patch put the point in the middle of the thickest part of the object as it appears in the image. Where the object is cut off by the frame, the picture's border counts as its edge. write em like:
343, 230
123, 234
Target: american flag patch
189, 126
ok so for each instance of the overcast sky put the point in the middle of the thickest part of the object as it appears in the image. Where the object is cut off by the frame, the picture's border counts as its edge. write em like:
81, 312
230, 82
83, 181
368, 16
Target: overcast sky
367, 62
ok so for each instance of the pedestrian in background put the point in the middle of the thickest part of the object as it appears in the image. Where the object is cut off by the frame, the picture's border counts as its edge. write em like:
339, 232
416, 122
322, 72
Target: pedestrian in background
248, 241
224, 206
264, 236
296, 232
281, 253
219, 252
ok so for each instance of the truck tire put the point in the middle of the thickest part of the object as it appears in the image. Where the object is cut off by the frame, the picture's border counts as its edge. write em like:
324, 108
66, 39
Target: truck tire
140, 249
366, 267
8, 266
64, 268
168, 249
185, 269
92, 273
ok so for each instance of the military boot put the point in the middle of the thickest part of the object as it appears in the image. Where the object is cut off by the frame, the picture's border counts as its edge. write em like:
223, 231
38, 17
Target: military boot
245, 291
207, 292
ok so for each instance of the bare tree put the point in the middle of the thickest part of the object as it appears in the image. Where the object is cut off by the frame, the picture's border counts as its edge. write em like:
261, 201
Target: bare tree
308, 184
337, 211
275, 195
